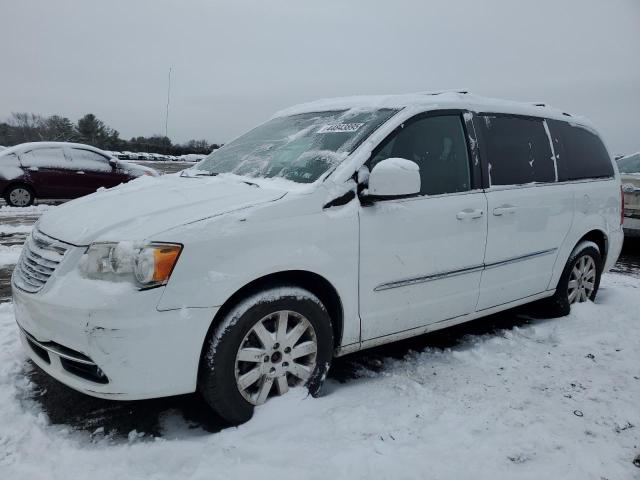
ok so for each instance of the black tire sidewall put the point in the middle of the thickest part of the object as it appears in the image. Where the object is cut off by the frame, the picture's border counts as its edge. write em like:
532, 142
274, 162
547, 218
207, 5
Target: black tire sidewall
7, 196
561, 296
217, 382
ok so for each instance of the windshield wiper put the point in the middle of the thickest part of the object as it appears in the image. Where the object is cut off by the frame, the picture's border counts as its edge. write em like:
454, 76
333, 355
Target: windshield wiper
250, 183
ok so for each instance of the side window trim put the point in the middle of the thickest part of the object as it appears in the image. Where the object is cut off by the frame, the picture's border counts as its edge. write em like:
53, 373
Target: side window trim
554, 155
472, 151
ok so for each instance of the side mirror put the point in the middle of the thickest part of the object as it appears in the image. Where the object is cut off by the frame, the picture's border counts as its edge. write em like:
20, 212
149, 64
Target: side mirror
394, 177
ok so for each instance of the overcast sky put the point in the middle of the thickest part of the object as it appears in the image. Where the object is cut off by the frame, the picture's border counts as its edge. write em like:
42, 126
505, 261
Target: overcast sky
236, 62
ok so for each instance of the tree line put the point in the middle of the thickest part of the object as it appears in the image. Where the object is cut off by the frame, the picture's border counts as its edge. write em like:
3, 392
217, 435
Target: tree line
29, 127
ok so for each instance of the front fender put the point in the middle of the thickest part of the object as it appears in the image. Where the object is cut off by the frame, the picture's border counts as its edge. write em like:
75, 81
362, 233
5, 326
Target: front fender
223, 255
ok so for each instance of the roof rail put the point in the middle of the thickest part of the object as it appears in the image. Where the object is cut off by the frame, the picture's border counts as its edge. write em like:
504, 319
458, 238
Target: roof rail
440, 92
544, 105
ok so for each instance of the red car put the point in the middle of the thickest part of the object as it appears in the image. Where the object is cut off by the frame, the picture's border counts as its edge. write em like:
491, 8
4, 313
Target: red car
59, 170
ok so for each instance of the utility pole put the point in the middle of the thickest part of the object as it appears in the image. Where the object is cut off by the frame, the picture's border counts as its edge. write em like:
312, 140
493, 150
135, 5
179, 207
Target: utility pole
166, 120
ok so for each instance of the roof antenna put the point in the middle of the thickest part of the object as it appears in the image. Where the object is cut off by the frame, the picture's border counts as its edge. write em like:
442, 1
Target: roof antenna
166, 118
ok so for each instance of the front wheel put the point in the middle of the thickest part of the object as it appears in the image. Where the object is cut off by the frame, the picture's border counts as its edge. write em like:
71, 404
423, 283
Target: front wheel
19, 196
580, 279
275, 340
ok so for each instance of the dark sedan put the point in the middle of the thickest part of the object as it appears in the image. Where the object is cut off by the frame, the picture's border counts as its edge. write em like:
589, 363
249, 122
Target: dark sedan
60, 171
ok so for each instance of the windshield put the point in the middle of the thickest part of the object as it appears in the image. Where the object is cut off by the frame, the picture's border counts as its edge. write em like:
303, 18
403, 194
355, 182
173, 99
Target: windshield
299, 147
630, 164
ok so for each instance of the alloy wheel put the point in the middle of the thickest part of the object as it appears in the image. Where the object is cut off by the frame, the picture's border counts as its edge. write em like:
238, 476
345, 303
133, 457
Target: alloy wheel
582, 280
281, 349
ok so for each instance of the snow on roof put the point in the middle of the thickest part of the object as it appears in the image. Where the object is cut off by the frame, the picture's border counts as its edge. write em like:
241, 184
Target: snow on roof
459, 99
24, 147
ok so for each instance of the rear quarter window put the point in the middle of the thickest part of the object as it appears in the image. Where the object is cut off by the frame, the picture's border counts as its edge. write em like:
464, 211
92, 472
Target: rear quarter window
580, 152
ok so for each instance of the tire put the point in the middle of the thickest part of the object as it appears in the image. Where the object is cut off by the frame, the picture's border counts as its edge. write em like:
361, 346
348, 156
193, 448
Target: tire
560, 303
19, 196
233, 386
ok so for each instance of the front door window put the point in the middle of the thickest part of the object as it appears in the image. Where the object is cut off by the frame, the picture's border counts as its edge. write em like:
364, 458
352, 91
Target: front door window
437, 144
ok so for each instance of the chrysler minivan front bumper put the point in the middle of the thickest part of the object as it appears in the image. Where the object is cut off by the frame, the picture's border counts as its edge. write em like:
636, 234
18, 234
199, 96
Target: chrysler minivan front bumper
120, 348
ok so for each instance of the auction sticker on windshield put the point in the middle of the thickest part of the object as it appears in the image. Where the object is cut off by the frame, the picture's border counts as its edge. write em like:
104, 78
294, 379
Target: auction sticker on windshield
340, 127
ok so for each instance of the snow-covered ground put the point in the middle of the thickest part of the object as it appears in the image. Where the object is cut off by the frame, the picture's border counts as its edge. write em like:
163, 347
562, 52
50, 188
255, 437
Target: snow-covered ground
551, 399
9, 254
555, 399
7, 211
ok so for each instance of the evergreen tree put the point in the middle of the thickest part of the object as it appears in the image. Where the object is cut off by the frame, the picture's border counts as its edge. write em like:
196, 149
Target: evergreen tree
59, 129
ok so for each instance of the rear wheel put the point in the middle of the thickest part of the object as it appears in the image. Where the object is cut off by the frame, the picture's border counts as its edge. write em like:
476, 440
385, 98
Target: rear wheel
275, 340
579, 281
19, 196
582, 280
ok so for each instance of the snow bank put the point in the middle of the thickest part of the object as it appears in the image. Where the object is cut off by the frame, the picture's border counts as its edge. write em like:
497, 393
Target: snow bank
553, 399
7, 211
13, 229
9, 254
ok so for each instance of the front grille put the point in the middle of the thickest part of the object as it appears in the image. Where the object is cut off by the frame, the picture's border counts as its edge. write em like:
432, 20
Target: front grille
40, 257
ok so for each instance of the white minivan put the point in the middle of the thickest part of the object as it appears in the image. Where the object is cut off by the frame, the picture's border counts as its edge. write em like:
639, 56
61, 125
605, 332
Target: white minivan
333, 227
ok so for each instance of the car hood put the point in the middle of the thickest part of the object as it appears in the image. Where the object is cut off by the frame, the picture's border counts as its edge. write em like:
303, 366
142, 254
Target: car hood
150, 205
137, 170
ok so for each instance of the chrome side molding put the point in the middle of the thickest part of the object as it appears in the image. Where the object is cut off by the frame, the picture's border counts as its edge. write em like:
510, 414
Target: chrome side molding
55, 349
462, 271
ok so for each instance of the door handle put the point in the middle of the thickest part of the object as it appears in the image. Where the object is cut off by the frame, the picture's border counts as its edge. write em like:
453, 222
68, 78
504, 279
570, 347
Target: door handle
469, 213
504, 209
80, 172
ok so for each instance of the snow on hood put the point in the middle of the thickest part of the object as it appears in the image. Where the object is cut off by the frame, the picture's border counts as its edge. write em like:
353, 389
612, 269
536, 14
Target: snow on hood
149, 205
136, 169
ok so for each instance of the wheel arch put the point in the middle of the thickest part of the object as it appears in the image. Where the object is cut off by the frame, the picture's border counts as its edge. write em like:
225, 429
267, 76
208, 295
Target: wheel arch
315, 283
20, 182
600, 239
595, 235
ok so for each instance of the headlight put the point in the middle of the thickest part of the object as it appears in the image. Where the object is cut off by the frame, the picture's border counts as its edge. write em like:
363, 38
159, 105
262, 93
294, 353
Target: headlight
148, 265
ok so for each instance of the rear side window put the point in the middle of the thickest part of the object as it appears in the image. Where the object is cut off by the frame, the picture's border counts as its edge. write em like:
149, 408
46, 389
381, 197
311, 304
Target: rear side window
581, 153
518, 150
